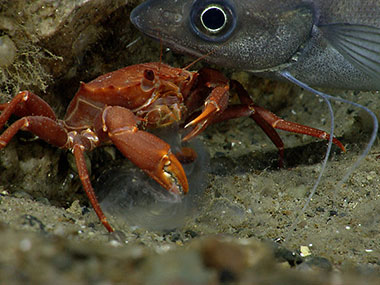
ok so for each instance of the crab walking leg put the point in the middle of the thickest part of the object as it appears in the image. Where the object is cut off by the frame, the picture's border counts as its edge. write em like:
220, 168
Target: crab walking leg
25, 103
45, 128
51, 132
267, 121
78, 151
279, 123
145, 150
237, 111
284, 125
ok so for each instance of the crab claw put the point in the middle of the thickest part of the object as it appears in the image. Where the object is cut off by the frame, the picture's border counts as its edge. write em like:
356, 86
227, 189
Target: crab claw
200, 122
169, 174
145, 150
154, 156
215, 104
210, 109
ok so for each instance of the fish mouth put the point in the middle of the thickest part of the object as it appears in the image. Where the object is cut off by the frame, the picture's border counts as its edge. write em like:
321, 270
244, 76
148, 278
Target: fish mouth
141, 17
134, 17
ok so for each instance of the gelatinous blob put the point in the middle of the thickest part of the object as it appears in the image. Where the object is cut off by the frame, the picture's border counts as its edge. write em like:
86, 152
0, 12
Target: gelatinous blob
131, 195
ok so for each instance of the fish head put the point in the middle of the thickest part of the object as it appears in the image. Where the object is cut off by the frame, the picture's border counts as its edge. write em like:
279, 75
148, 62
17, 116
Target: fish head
254, 35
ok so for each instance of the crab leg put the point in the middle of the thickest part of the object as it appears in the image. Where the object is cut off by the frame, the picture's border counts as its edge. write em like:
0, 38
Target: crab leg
278, 123
45, 128
78, 150
43, 123
51, 132
215, 104
38, 118
267, 121
145, 150
25, 103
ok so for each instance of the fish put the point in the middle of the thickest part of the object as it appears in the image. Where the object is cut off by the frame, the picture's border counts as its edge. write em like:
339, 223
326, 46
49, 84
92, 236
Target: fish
319, 43
311, 43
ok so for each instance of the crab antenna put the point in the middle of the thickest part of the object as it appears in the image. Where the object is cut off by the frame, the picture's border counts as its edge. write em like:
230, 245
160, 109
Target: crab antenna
161, 54
204, 56
199, 59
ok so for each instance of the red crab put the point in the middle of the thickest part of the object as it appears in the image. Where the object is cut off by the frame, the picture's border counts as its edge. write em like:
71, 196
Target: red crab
119, 107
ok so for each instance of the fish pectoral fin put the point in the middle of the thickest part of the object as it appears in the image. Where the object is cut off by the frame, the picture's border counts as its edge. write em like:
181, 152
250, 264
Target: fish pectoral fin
359, 44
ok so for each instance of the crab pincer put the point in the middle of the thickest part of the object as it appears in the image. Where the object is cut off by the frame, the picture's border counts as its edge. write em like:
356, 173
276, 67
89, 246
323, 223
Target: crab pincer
144, 149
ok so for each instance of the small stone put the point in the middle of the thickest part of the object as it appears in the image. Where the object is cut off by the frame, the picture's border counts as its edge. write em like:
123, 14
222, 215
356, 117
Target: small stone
22, 195
25, 245
75, 208
8, 51
318, 263
43, 201
305, 251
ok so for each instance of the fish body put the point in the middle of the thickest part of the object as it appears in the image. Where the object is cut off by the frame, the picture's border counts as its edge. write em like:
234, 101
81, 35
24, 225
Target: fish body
322, 43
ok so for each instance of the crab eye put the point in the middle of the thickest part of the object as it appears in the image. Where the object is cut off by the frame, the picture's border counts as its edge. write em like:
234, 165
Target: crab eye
147, 82
149, 74
213, 20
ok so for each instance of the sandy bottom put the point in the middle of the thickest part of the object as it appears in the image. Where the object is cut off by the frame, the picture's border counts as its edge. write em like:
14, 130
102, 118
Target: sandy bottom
246, 199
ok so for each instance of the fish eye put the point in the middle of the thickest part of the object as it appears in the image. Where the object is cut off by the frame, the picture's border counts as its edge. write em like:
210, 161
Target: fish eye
213, 20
